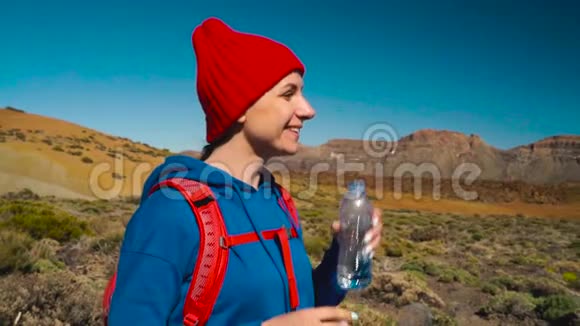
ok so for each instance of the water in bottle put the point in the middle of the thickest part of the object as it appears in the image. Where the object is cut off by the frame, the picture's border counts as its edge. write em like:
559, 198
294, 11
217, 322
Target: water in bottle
354, 265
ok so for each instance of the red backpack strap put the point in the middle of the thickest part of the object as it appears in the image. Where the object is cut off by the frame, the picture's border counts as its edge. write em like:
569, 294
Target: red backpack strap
288, 203
212, 258
107, 296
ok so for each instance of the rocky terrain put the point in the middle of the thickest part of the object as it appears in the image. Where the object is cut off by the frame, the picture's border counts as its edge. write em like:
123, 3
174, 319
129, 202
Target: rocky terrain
56, 256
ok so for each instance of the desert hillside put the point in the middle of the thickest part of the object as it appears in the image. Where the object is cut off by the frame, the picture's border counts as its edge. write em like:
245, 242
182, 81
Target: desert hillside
63, 159
56, 157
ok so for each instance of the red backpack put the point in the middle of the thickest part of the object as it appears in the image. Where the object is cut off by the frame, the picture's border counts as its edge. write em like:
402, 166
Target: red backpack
212, 259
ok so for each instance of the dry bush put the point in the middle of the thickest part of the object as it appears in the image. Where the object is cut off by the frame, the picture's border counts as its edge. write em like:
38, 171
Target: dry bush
401, 289
368, 316
43, 255
24, 194
49, 299
108, 243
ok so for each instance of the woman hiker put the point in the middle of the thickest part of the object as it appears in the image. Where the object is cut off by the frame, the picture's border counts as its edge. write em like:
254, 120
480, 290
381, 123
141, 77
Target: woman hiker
250, 89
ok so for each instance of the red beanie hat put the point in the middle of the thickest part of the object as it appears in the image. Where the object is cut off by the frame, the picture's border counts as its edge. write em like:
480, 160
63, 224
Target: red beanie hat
234, 70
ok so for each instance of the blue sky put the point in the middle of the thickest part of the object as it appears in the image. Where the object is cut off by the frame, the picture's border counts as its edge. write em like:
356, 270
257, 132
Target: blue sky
506, 70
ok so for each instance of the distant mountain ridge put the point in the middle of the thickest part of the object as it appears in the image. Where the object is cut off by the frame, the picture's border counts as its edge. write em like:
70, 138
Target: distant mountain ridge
550, 160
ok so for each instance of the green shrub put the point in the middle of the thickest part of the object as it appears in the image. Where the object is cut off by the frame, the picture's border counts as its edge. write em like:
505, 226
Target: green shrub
557, 306
530, 260
440, 318
427, 234
315, 245
519, 305
413, 265
45, 249
86, 159
490, 288
310, 213
575, 245
571, 279
43, 256
14, 251
443, 273
393, 251
46, 265
509, 283
446, 277
543, 287
477, 236
538, 287
42, 221
57, 148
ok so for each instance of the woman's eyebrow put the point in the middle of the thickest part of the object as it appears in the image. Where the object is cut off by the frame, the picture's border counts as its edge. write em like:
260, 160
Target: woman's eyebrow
290, 85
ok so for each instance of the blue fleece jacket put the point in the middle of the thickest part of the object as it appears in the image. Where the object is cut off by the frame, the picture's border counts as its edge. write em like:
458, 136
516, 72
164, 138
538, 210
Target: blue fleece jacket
160, 246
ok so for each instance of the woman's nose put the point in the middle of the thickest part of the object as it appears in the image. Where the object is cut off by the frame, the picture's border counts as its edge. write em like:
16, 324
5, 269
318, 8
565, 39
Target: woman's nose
305, 111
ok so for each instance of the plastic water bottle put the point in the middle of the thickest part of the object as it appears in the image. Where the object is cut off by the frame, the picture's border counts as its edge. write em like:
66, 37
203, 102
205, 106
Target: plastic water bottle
354, 265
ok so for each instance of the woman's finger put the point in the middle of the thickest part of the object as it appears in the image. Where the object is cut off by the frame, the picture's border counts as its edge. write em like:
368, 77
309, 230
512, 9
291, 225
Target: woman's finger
334, 314
377, 213
373, 233
375, 243
335, 226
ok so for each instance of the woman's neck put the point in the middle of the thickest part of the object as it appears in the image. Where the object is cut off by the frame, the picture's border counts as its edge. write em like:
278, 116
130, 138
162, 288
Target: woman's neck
238, 158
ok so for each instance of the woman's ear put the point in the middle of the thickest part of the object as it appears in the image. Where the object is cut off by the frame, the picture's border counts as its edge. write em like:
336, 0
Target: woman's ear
242, 119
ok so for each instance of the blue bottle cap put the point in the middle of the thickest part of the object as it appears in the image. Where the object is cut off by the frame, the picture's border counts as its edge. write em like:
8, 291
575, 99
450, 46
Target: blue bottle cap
357, 188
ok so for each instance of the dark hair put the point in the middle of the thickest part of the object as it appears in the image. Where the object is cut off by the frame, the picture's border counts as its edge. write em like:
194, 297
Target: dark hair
209, 148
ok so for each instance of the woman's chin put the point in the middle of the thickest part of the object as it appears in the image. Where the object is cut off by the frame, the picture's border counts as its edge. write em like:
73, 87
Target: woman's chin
288, 149
283, 147
292, 148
